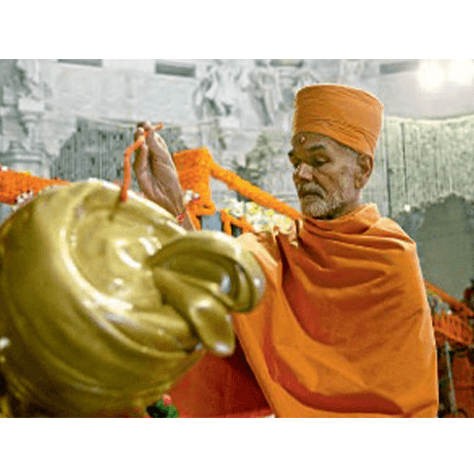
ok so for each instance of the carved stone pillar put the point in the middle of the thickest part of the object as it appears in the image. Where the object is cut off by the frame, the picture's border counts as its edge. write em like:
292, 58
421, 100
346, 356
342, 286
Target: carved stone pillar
23, 105
21, 158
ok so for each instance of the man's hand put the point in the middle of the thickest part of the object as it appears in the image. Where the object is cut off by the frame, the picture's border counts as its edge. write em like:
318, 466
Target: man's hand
156, 172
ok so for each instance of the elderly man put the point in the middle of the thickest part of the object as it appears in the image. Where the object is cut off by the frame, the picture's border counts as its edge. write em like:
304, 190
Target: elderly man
344, 329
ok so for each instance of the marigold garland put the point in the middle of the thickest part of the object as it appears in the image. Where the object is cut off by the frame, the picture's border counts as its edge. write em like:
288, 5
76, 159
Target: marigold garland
15, 183
193, 170
228, 220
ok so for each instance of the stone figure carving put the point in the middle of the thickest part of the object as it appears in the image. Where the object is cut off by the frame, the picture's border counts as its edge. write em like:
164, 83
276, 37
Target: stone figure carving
305, 77
30, 78
216, 94
31, 101
350, 71
257, 160
291, 80
265, 91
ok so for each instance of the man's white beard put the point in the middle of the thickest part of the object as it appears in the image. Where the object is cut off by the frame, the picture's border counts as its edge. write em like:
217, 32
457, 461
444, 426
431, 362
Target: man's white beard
323, 208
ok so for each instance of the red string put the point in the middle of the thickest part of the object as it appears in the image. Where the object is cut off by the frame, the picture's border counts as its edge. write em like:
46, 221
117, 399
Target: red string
181, 217
127, 165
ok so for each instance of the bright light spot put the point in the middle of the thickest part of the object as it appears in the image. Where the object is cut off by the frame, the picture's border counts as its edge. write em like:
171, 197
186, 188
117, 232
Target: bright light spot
4, 342
460, 71
430, 75
407, 207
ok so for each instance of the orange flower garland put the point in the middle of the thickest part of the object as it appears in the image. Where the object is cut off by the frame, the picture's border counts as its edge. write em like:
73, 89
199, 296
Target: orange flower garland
195, 167
229, 220
14, 183
193, 170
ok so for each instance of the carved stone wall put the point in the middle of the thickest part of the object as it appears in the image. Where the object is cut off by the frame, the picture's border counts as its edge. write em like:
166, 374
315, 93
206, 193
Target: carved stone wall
423, 161
417, 161
25, 95
267, 166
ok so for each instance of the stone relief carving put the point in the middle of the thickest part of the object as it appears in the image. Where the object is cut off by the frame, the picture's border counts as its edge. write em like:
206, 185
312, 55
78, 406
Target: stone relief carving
305, 77
30, 78
25, 93
265, 90
270, 88
292, 79
32, 88
217, 91
351, 71
257, 161
272, 85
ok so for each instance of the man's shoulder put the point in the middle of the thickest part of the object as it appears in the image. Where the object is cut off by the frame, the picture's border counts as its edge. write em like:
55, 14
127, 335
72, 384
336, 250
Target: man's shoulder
369, 221
266, 244
390, 229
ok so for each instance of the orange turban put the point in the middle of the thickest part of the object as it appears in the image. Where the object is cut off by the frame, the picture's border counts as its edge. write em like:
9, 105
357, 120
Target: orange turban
350, 116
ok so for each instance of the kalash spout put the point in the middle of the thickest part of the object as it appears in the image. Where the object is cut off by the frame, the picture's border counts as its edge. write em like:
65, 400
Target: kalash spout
102, 313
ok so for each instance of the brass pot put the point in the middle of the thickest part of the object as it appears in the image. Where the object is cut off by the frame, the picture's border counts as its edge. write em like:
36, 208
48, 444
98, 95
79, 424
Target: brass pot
103, 305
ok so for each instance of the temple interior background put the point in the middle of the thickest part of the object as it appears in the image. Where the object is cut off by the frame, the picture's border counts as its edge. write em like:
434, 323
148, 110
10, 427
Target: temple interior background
73, 118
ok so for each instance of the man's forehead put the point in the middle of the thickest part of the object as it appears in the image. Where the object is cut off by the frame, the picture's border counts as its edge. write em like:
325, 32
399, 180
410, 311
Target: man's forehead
306, 140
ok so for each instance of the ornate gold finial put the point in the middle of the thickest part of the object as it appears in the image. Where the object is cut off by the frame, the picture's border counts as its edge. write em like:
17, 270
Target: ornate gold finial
119, 309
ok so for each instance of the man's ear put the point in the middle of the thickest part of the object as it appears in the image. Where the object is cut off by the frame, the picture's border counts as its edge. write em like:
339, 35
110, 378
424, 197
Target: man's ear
364, 168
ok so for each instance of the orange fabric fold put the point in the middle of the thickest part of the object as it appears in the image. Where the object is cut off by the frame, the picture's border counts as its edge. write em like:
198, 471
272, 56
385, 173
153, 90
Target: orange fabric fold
350, 116
220, 388
344, 329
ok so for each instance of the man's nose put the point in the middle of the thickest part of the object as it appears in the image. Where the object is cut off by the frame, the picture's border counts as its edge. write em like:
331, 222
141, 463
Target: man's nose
304, 172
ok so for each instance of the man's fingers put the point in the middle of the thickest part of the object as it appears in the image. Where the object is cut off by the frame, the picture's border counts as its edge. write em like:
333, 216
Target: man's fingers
141, 155
139, 132
141, 159
162, 184
149, 127
156, 144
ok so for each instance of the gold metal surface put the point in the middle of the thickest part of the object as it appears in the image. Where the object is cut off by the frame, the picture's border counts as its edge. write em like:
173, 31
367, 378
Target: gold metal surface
104, 307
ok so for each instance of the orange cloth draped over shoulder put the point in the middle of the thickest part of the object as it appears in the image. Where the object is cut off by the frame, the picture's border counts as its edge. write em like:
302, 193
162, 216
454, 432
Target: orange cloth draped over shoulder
343, 331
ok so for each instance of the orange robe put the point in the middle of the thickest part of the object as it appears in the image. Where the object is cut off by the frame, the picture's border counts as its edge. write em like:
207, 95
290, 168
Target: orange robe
344, 329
